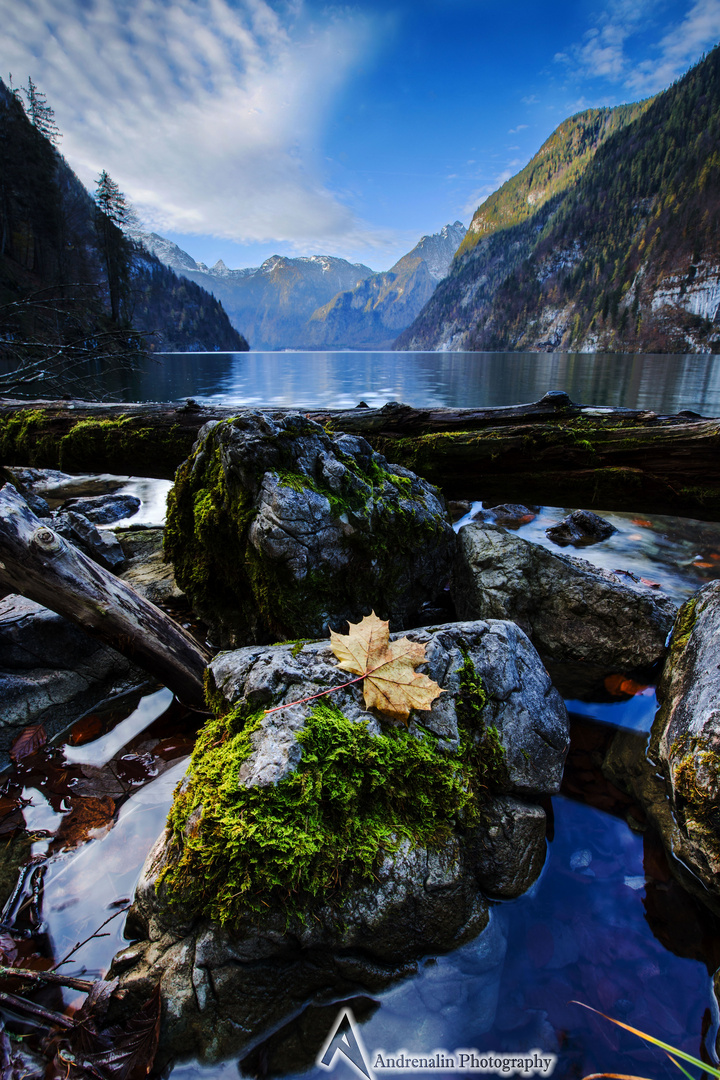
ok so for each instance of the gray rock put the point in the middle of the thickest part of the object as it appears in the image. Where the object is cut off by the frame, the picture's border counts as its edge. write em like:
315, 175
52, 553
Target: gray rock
225, 987
104, 509
147, 570
509, 515
278, 530
685, 738
577, 616
51, 671
581, 528
100, 544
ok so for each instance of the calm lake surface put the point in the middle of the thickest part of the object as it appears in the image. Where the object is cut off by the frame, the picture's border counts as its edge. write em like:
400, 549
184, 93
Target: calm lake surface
666, 384
606, 924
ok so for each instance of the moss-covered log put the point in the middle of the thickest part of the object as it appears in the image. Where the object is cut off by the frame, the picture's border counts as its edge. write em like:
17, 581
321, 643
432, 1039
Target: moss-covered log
552, 451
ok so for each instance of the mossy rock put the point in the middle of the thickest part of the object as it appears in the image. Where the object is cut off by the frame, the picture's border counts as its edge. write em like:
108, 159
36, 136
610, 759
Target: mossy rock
321, 849
278, 529
685, 738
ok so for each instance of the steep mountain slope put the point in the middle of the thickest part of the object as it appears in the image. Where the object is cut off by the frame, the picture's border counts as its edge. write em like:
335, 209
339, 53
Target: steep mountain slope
54, 292
625, 259
371, 315
271, 302
505, 229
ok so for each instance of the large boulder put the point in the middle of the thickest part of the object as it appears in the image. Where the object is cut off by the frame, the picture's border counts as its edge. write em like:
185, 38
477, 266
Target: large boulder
278, 529
685, 739
320, 847
585, 622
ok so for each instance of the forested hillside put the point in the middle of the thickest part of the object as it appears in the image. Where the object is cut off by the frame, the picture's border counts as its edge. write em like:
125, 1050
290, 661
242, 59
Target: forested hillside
505, 229
73, 288
625, 257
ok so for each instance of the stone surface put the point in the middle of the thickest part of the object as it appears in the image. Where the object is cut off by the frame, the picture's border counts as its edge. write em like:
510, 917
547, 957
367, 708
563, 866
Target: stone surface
685, 738
100, 544
578, 617
278, 530
225, 987
51, 671
581, 528
147, 571
104, 509
509, 515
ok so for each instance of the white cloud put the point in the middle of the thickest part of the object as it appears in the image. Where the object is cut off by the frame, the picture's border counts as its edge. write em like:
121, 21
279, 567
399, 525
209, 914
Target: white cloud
207, 113
683, 44
520, 127
607, 50
478, 197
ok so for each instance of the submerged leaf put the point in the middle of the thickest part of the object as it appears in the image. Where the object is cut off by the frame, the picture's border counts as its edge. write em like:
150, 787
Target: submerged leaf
28, 742
123, 1051
391, 683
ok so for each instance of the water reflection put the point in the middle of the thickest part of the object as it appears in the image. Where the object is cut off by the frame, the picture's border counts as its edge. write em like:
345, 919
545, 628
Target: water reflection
664, 383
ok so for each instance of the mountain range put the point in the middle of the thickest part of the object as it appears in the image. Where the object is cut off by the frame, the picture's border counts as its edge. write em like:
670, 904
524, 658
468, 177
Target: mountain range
319, 301
608, 240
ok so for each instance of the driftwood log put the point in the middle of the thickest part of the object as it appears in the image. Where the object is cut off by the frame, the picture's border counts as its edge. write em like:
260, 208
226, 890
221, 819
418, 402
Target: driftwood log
553, 451
40, 564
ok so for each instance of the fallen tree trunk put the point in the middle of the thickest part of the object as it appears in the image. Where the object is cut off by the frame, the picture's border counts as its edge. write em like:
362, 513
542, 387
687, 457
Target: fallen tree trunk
552, 451
40, 564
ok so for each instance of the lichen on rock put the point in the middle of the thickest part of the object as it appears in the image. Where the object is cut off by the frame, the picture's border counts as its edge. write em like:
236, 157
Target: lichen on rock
277, 529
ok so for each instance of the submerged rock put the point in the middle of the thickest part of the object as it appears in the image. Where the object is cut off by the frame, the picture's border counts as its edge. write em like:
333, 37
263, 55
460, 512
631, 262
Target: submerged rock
581, 528
278, 529
147, 570
585, 622
51, 671
318, 849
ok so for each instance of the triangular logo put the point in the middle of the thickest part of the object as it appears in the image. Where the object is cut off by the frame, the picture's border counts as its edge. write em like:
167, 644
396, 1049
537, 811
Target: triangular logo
344, 1038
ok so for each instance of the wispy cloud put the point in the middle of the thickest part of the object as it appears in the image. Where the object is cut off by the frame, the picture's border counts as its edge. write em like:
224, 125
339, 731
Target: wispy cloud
680, 46
520, 127
478, 197
607, 52
208, 113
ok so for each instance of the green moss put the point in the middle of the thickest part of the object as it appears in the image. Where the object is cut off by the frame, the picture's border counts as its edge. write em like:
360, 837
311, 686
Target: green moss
319, 831
684, 625
309, 839
123, 445
696, 784
253, 597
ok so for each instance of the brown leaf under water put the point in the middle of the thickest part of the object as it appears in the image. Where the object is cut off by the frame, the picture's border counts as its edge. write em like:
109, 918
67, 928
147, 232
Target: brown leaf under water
28, 742
87, 813
124, 1051
621, 684
391, 683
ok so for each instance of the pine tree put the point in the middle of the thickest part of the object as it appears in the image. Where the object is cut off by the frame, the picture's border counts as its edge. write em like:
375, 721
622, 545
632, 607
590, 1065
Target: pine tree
41, 115
114, 213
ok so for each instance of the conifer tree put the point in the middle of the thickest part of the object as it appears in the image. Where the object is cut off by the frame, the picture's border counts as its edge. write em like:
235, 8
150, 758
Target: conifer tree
41, 115
113, 214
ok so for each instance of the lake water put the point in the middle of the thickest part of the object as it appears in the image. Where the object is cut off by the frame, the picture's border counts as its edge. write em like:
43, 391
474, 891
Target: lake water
605, 924
666, 384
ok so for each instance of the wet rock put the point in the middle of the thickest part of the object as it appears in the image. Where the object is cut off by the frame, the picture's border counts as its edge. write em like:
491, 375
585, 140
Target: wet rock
225, 986
580, 618
147, 571
278, 530
51, 671
509, 515
100, 544
458, 508
581, 528
104, 509
58, 486
684, 745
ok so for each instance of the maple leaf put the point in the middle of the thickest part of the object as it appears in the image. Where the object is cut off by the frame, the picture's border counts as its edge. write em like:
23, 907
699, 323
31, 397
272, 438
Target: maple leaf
391, 683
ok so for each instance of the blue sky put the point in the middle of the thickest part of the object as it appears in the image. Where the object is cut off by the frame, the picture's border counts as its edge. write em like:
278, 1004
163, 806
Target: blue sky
246, 128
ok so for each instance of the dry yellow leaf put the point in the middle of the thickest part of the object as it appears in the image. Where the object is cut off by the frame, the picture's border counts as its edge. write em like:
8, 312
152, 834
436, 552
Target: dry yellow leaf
391, 683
